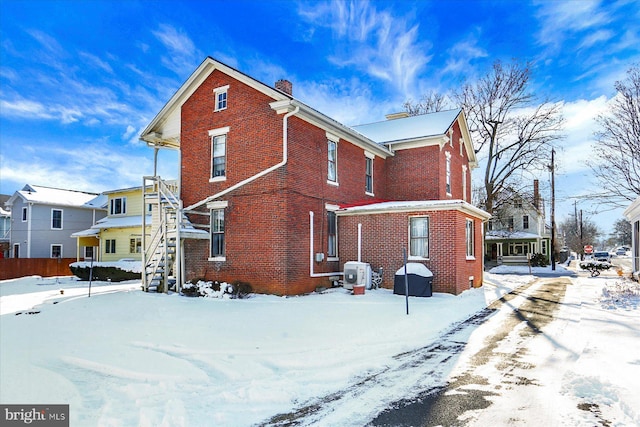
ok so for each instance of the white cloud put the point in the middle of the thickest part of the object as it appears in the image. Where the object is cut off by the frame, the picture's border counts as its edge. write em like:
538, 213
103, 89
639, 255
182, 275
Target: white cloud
462, 54
96, 62
385, 46
182, 56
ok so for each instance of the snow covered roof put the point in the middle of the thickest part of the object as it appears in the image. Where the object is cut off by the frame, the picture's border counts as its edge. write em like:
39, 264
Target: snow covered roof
120, 222
414, 205
408, 128
513, 235
4, 212
56, 196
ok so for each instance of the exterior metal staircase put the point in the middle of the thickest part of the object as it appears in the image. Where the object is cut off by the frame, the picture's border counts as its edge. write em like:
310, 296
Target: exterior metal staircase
162, 249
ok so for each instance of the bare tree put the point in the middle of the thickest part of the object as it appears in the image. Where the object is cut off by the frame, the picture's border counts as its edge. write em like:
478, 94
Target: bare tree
431, 102
579, 232
617, 152
513, 133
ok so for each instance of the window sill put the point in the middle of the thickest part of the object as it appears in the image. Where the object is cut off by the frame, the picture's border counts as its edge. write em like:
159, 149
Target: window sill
369, 194
217, 258
332, 258
416, 258
471, 258
218, 179
333, 183
219, 109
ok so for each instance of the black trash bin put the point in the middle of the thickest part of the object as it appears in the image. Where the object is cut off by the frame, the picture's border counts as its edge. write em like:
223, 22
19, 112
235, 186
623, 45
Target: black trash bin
419, 277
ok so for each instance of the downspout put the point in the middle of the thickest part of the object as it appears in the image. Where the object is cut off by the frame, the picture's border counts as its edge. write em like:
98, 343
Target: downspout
259, 174
29, 212
311, 261
359, 242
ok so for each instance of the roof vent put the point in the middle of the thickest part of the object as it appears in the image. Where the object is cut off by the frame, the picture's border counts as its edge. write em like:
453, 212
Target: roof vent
400, 115
285, 86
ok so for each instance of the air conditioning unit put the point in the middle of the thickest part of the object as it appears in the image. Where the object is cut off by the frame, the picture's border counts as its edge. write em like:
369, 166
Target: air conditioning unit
357, 273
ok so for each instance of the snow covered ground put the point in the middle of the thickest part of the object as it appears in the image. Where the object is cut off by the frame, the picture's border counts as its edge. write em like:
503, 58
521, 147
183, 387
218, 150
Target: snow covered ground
127, 358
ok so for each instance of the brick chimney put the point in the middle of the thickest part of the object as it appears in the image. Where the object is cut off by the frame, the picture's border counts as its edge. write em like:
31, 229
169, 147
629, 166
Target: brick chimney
285, 86
536, 194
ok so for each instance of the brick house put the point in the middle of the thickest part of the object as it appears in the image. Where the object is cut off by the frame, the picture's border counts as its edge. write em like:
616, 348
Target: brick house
288, 195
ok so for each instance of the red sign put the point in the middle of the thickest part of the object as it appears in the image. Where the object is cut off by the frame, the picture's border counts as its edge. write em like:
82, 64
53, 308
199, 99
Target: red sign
588, 249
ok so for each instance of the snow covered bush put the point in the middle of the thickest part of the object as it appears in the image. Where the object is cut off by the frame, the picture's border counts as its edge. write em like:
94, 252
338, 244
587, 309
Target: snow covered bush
207, 289
107, 271
594, 267
622, 293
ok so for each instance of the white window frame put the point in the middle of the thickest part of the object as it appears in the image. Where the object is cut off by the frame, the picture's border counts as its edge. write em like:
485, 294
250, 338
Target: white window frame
217, 206
123, 206
470, 239
213, 134
25, 214
221, 98
448, 173
369, 159
464, 183
332, 208
137, 244
332, 139
86, 250
61, 219
423, 256
525, 222
55, 245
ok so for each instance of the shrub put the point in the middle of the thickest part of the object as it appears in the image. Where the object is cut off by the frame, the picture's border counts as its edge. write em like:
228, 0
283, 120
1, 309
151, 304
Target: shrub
208, 289
594, 267
104, 273
539, 260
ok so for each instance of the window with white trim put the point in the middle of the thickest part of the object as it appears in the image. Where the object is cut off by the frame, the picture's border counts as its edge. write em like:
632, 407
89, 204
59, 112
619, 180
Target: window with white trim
332, 234
332, 161
110, 246
24, 214
464, 183
88, 252
419, 237
448, 172
469, 236
217, 233
56, 251
218, 153
220, 95
118, 206
525, 222
368, 181
56, 219
135, 245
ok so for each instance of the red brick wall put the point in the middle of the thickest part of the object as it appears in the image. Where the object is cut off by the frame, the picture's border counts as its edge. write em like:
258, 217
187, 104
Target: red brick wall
267, 220
384, 236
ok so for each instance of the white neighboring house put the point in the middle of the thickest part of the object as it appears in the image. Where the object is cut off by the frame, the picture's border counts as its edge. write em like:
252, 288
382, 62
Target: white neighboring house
632, 213
43, 219
517, 229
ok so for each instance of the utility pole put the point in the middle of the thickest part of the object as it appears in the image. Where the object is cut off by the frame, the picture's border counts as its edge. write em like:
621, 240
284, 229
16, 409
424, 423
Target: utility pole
553, 212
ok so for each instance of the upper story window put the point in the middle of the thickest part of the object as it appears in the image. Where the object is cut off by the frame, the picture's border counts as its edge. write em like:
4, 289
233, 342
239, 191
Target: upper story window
448, 172
368, 182
219, 153
525, 222
56, 219
510, 223
332, 161
118, 206
419, 237
24, 214
221, 97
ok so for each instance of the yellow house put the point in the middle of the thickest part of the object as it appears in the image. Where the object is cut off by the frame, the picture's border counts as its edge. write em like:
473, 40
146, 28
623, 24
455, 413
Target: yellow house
118, 235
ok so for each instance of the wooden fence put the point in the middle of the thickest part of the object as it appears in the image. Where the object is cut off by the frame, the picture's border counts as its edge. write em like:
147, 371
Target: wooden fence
11, 268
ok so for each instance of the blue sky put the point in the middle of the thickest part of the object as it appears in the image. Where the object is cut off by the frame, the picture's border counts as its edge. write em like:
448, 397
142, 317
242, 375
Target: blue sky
79, 80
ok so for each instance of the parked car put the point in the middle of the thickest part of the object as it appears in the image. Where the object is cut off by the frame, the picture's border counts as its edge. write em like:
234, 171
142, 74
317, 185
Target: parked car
621, 251
602, 256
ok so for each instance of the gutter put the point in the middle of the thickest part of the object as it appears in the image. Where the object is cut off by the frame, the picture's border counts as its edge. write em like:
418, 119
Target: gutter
285, 158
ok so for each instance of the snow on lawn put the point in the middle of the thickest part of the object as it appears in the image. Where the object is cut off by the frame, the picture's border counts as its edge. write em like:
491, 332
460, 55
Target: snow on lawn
127, 358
